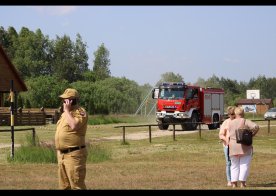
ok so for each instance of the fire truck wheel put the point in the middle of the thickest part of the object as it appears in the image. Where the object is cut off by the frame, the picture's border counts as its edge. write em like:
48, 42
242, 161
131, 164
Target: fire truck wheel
163, 127
215, 125
184, 127
194, 120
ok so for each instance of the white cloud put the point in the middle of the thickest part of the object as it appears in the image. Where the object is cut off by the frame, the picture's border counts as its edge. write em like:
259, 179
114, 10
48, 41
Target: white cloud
54, 10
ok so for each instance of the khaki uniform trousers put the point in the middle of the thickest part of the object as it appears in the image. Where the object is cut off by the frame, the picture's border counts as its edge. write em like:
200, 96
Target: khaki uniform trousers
72, 169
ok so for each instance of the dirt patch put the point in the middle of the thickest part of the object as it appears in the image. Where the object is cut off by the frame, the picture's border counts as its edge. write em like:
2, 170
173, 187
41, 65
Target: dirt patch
8, 145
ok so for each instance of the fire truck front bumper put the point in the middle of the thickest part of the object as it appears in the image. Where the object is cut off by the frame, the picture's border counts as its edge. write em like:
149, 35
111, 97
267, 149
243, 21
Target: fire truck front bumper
176, 114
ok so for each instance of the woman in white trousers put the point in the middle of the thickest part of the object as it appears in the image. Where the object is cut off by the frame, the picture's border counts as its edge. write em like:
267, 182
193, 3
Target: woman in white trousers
240, 154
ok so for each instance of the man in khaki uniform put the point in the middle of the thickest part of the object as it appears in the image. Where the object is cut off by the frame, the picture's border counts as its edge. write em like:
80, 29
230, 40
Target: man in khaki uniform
70, 142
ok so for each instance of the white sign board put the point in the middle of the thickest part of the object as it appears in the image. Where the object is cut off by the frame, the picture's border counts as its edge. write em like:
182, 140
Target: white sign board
249, 108
253, 94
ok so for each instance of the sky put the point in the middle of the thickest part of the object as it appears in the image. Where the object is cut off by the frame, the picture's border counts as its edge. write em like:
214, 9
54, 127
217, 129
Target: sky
234, 42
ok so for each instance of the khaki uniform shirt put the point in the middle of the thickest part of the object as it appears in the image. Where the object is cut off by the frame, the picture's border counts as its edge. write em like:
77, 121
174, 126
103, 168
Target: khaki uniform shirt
65, 137
234, 147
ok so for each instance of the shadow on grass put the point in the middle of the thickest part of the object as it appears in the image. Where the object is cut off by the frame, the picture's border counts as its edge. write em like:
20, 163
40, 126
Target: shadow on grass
271, 184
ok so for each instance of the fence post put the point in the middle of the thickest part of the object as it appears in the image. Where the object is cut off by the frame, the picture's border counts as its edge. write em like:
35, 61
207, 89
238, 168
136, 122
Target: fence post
173, 132
12, 118
33, 129
199, 130
149, 133
268, 126
124, 135
29, 117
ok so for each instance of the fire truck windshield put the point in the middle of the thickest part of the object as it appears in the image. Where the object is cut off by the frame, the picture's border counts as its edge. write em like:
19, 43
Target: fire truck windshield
171, 93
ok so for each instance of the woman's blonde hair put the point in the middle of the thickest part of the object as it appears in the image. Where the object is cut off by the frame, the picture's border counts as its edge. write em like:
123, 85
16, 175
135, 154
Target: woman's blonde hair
230, 110
239, 111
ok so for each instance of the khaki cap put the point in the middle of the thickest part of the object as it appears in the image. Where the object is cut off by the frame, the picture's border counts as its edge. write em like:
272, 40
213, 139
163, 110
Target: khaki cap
70, 93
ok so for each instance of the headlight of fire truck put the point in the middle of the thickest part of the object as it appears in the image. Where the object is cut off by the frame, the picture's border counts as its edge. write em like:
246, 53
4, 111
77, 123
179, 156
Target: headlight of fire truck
161, 114
178, 114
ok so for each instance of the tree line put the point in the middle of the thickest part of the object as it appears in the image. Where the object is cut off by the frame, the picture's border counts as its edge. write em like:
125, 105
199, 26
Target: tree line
48, 66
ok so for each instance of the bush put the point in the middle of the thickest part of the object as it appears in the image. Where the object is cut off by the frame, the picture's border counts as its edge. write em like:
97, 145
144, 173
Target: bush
41, 152
33, 152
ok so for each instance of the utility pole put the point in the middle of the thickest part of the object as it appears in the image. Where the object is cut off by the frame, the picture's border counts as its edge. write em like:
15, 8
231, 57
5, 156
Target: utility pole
12, 118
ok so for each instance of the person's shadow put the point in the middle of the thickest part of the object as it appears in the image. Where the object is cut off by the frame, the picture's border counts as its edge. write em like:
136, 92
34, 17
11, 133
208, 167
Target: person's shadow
270, 184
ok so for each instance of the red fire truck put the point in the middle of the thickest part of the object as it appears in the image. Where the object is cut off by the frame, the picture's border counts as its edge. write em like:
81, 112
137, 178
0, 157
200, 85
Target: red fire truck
188, 105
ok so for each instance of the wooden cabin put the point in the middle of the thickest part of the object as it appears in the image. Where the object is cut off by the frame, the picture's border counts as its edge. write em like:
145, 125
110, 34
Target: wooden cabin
28, 116
8, 73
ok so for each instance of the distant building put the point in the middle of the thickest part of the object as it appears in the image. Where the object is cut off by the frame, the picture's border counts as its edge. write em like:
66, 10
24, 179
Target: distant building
259, 106
8, 72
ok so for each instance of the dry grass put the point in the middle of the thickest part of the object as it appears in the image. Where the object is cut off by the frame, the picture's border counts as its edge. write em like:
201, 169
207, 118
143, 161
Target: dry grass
187, 163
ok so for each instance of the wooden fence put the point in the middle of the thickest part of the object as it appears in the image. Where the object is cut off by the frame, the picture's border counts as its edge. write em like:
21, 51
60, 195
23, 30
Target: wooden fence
29, 116
51, 114
173, 134
23, 129
155, 125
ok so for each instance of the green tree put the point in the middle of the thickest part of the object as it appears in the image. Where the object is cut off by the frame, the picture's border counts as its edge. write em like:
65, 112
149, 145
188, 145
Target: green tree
8, 40
213, 82
101, 63
231, 89
267, 86
27, 104
43, 91
86, 90
69, 59
89, 76
4, 39
170, 77
13, 42
23, 51
260, 83
80, 57
31, 53
63, 62
20, 102
112, 95
270, 91
201, 82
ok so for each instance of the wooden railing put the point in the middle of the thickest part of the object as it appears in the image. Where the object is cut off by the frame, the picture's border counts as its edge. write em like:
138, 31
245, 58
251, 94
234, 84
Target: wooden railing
152, 125
29, 116
23, 118
155, 125
23, 129
52, 114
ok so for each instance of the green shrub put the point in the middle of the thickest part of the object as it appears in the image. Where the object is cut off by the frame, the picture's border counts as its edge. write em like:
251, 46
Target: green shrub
33, 152
30, 153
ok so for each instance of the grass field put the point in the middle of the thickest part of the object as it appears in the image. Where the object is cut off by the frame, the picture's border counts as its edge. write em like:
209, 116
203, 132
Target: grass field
188, 163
